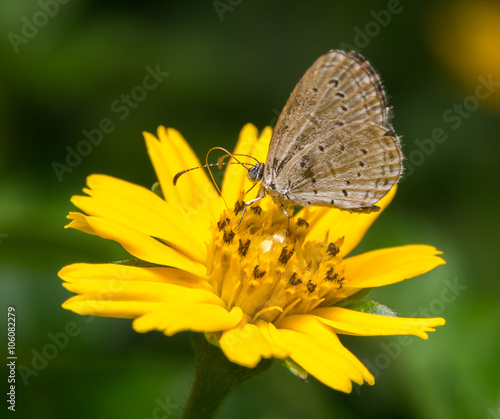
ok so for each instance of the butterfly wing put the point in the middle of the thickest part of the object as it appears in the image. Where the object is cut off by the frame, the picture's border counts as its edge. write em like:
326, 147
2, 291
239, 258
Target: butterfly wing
337, 92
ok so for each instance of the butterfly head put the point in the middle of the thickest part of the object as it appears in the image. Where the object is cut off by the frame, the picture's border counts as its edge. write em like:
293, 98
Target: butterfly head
256, 172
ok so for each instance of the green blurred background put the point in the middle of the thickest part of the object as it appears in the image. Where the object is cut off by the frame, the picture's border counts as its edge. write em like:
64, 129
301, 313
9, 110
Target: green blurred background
231, 62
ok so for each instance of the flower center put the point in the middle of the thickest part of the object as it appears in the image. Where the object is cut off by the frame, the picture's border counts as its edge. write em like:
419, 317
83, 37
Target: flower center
267, 272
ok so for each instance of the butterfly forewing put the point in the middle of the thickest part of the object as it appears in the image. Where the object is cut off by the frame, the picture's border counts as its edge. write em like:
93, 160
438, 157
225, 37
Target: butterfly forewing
338, 88
333, 143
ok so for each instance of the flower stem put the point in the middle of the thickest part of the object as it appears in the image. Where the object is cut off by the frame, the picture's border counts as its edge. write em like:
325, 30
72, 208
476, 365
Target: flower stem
215, 378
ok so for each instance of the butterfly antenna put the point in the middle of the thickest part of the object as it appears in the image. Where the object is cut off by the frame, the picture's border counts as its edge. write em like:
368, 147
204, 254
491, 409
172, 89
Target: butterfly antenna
178, 175
221, 162
221, 158
251, 187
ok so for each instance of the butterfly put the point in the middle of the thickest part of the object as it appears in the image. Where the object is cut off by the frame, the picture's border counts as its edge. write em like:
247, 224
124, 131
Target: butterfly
333, 144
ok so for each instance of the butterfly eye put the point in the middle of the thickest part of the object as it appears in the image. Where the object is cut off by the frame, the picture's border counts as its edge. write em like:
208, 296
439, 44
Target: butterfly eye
256, 172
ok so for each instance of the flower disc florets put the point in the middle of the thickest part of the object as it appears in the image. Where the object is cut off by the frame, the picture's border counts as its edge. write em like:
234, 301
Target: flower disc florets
267, 272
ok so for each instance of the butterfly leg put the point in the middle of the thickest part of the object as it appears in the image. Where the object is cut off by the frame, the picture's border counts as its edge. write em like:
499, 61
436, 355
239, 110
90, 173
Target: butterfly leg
245, 208
287, 215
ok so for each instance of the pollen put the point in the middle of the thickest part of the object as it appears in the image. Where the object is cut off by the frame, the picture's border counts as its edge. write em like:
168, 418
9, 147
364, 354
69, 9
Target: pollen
269, 271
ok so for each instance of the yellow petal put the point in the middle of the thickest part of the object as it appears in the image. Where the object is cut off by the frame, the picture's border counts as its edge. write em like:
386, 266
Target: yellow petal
141, 209
194, 191
142, 246
235, 177
114, 188
188, 314
78, 272
79, 222
248, 344
317, 349
391, 265
350, 225
120, 290
105, 308
366, 324
109, 293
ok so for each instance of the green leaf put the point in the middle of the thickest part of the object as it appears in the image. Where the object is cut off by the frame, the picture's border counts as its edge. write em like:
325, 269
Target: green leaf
294, 368
156, 188
353, 298
137, 262
372, 307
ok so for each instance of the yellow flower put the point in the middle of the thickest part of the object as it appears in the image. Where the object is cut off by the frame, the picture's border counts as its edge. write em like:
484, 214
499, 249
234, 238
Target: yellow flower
253, 290
465, 36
